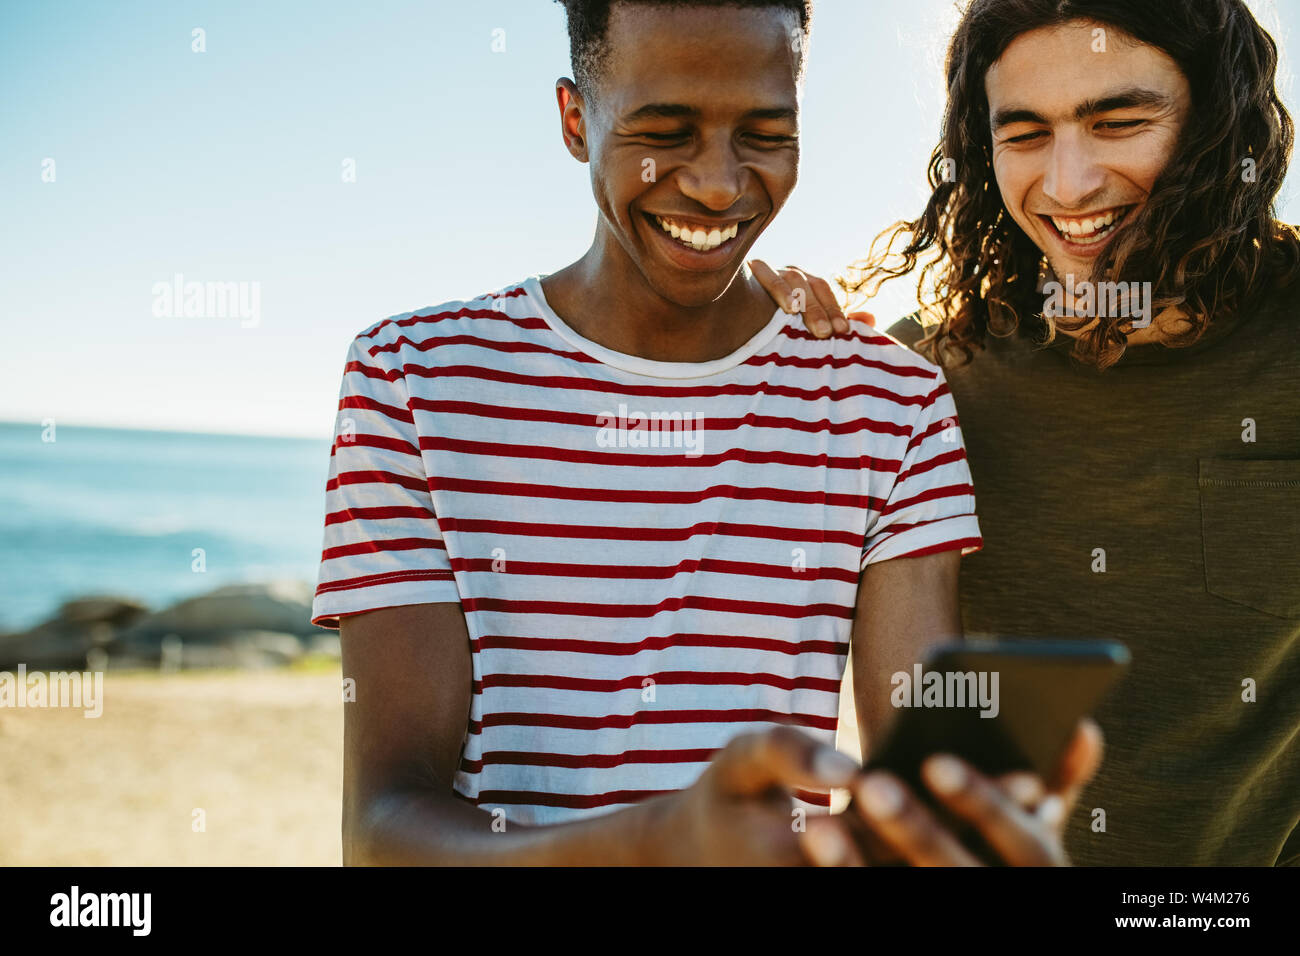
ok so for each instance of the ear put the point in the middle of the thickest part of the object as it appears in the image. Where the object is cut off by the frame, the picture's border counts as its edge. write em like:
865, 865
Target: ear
573, 122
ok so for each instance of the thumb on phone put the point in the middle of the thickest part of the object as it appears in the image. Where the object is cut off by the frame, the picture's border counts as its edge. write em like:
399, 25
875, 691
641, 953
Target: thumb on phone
1079, 762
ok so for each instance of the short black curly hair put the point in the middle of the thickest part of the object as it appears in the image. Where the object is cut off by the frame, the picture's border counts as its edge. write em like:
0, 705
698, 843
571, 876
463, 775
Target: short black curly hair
589, 24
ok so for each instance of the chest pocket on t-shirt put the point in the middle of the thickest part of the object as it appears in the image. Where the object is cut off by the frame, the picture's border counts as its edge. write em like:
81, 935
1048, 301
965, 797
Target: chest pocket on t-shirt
1250, 528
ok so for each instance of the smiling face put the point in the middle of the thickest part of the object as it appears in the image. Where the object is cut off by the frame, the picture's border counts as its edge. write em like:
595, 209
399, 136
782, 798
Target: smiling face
1080, 137
692, 140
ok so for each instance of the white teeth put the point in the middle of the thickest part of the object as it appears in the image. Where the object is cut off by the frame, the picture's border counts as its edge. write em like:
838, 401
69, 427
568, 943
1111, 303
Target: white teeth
1085, 231
697, 238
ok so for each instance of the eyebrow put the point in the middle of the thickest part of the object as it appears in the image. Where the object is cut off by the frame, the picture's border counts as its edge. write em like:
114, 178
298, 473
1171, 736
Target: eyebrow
682, 111
1121, 100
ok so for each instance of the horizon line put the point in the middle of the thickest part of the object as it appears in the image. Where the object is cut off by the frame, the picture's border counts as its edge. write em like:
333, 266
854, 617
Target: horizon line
35, 423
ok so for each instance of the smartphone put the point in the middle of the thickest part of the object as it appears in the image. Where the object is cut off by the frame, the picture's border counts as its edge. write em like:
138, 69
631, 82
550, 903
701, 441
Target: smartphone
1000, 705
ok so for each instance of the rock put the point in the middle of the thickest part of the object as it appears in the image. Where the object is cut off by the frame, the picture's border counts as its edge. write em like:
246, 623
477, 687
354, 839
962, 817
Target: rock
281, 648
62, 641
240, 625
281, 607
238, 649
235, 649
114, 611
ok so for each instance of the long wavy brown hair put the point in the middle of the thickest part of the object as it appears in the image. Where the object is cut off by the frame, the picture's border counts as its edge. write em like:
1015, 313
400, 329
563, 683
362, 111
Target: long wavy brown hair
1206, 238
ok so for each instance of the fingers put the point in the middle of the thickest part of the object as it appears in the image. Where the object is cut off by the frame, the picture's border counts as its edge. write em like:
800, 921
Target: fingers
1019, 838
812, 302
824, 298
781, 757
1024, 788
874, 850
795, 291
1079, 762
774, 285
866, 317
906, 825
827, 842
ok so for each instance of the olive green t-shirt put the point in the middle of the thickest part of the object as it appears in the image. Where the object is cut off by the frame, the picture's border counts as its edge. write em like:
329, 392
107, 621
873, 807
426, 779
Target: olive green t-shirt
1156, 503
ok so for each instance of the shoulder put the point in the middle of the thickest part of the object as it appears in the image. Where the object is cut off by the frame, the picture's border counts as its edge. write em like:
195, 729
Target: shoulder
863, 340
422, 328
907, 330
452, 313
893, 348
862, 369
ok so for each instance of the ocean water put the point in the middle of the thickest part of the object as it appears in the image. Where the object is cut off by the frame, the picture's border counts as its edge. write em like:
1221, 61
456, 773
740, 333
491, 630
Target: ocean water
116, 511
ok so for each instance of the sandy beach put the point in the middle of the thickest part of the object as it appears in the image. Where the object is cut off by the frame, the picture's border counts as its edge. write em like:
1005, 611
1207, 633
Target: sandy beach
258, 752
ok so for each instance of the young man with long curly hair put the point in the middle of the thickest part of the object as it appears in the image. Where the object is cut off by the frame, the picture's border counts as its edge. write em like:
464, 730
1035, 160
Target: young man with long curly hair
1137, 453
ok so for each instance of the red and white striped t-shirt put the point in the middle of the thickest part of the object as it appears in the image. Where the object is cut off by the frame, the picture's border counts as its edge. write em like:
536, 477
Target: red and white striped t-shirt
652, 557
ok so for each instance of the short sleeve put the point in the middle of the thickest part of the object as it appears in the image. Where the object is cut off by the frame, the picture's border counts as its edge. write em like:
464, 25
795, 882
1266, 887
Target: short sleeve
382, 546
931, 506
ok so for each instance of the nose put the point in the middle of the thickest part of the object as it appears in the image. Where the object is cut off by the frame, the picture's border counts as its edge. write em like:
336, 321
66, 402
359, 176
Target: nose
714, 177
1073, 173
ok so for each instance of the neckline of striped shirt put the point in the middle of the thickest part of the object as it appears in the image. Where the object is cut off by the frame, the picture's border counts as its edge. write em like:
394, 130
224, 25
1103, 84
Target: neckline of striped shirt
643, 366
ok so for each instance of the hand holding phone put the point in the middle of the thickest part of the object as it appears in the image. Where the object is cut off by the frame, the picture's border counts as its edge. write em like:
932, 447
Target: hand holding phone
999, 708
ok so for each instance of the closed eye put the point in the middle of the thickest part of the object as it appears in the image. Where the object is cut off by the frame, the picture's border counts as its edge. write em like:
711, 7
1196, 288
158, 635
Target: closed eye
1025, 137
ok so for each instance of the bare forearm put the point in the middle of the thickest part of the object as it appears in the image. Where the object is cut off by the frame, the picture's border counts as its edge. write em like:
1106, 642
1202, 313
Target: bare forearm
905, 606
420, 828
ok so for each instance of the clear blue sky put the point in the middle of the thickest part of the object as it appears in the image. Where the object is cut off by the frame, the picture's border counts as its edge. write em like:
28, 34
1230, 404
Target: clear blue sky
226, 166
